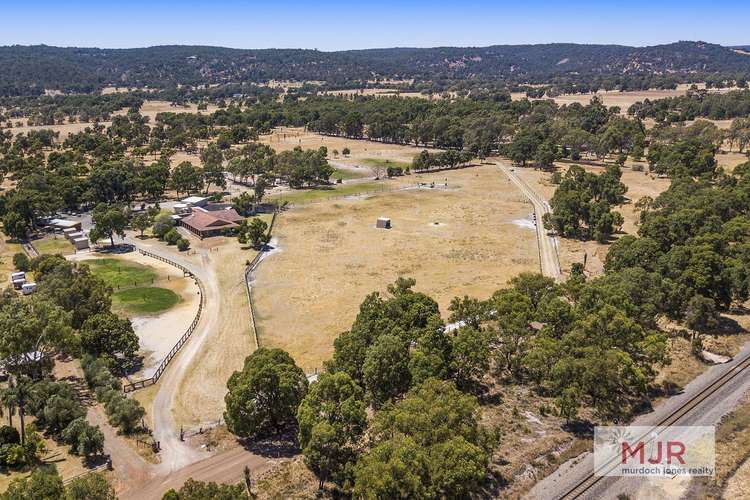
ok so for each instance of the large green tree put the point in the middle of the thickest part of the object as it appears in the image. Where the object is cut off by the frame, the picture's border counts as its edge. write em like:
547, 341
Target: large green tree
264, 396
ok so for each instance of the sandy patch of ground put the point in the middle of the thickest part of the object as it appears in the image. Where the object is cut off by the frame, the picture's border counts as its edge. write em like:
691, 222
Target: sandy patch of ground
731, 159
332, 255
159, 333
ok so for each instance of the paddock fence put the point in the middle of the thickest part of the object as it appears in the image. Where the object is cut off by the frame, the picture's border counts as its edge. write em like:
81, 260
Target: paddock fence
140, 384
249, 269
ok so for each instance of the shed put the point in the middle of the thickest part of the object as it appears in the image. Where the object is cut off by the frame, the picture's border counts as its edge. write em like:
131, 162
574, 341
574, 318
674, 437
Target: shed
81, 243
75, 236
383, 223
28, 288
18, 283
181, 208
71, 230
63, 224
18, 275
195, 201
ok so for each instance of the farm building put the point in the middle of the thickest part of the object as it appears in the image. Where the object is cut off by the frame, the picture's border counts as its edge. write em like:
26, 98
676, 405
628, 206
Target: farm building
63, 224
28, 288
195, 201
204, 223
81, 243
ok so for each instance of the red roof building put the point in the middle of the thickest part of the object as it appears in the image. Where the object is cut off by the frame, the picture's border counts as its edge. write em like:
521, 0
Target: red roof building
205, 223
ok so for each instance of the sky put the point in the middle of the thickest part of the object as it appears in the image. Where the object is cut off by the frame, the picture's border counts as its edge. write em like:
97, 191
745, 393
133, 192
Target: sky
339, 25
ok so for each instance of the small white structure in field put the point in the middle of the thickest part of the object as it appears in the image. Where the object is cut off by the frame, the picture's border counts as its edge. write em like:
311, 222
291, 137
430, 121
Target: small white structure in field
18, 275
18, 283
81, 243
383, 223
28, 288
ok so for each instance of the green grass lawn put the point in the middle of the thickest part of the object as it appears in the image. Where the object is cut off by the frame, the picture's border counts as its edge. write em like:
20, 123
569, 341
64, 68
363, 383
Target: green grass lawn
119, 274
145, 300
345, 173
52, 246
322, 193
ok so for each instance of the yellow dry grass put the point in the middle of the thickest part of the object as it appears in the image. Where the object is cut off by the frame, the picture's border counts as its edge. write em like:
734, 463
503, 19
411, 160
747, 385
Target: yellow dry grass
285, 138
201, 397
332, 255
7, 251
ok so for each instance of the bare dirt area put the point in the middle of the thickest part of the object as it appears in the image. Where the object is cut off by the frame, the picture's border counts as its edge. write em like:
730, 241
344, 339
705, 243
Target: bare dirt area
639, 184
454, 241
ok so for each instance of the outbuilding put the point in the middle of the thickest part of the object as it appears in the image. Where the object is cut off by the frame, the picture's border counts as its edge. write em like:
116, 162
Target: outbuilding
28, 288
195, 201
383, 223
18, 283
81, 243
63, 224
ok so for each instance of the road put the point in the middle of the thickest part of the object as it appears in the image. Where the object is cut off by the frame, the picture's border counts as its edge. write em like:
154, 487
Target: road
179, 461
708, 412
549, 258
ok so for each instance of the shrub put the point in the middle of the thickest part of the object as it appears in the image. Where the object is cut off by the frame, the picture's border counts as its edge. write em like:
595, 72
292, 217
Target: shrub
9, 435
162, 226
183, 245
172, 237
12, 455
21, 262
126, 414
85, 440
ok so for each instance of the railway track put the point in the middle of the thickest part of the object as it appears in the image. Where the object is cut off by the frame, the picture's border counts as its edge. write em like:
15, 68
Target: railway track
585, 486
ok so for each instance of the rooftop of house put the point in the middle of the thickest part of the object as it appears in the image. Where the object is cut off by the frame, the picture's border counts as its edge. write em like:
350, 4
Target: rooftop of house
206, 220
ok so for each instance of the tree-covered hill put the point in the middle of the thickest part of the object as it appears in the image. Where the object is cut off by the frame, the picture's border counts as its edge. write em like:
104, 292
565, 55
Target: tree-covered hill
31, 69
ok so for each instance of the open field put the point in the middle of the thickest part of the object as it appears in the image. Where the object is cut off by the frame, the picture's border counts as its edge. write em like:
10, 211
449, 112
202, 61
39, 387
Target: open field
284, 138
322, 193
119, 273
145, 300
54, 244
622, 99
454, 241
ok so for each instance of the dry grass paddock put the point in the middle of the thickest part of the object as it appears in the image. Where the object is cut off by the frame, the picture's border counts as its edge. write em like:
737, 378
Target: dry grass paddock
454, 241
149, 108
285, 138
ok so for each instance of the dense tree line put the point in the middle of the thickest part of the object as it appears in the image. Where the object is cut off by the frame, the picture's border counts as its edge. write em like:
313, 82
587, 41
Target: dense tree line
31, 70
695, 104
